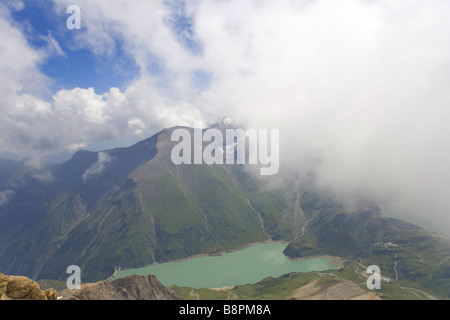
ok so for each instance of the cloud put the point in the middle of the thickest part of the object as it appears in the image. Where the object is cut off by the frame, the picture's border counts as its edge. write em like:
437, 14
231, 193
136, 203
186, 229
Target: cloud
14, 5
145, 30
76, 146
44, 177
82, 104
80, 115
35, 163
52, 48
21, 87
358, 89
137, 126
97, 168
5, 196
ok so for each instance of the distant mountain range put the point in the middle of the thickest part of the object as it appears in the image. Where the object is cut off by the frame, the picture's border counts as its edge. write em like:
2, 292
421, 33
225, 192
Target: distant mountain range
132, 207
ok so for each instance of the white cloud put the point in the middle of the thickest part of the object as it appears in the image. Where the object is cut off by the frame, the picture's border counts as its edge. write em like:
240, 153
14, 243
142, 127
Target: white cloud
44, 177
33, 126
97, 168
21, 87
137, 126
14, 5
35, 163
83, 104
19, 62
5, 196
358, 88
76, 146
52, 49
144, 29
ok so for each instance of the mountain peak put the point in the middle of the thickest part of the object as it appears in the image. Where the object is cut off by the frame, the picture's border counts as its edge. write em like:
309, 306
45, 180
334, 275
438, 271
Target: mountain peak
221, 121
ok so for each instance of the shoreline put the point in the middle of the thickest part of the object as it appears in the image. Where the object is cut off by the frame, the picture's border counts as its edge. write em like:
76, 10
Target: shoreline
222, 253
226, 288
216, 254
337, 261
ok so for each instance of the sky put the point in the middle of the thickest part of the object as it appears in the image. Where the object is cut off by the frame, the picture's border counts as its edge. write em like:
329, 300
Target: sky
358, 88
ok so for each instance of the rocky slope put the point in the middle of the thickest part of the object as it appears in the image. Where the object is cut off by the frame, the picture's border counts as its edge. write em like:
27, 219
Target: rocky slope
130, 288
22, 288
408, 255
341, 284
340, 290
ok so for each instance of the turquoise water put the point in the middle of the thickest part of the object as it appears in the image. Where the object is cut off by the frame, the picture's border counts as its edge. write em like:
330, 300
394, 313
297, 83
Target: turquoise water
245, 266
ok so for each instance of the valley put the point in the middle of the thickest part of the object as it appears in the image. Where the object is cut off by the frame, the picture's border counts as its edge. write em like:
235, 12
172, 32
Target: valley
249, 265
225, 150
132, 207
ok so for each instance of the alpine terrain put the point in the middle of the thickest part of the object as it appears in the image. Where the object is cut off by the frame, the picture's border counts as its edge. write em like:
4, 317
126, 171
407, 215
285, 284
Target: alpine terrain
132, 207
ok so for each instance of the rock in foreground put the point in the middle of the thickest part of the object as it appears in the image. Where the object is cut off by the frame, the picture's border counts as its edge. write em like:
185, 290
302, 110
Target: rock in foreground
22, 288
130, 288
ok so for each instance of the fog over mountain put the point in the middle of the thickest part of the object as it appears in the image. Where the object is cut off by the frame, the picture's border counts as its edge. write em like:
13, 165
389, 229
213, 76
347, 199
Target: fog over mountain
358, 89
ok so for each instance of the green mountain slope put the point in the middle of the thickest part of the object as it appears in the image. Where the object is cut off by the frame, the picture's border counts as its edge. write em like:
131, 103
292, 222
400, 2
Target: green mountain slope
132, 207
407, 254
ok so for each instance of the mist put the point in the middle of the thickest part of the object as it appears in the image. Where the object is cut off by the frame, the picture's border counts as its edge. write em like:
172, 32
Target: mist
359, 89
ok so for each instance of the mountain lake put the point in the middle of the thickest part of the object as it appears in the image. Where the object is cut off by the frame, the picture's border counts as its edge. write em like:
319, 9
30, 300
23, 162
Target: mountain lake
246, 266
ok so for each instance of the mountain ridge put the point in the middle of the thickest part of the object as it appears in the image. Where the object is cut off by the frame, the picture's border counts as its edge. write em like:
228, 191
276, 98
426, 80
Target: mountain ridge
130, 207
